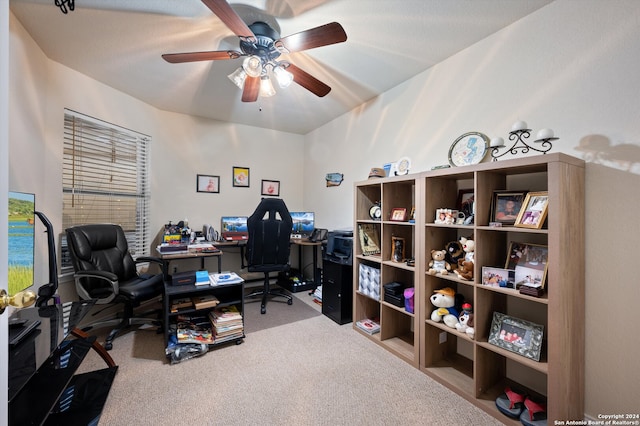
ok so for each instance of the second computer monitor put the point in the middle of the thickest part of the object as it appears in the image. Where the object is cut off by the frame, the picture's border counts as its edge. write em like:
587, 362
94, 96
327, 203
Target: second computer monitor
303, 223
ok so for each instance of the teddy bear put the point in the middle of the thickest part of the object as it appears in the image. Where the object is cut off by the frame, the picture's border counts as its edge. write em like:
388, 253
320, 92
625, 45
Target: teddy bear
469, 247
438, 264
465, 321
446, 310
454, 252
464, 270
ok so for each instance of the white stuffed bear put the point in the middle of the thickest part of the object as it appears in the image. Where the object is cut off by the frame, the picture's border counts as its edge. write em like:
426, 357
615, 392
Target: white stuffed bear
445, 302
465, 321
469, 247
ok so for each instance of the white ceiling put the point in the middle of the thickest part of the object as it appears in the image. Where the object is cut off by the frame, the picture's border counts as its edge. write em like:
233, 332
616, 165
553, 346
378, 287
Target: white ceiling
119, 43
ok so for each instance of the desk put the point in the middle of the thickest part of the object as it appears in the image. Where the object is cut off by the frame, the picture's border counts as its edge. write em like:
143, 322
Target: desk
300, 242
168, 257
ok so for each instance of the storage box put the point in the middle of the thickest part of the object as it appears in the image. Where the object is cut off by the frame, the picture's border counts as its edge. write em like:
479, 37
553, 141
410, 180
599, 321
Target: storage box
409, 294
394, 288
369, 281
396, 300
183, 278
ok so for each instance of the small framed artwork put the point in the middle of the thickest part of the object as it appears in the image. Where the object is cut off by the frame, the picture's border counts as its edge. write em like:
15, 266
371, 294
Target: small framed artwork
534, 210
498, 277
208, 183
398, 215
271, 187
397, 249
529, 261
506, 206
516, 335
241, 177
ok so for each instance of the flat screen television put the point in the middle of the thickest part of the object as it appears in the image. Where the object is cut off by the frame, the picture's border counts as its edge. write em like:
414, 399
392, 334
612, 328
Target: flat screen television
303, 223
21, 240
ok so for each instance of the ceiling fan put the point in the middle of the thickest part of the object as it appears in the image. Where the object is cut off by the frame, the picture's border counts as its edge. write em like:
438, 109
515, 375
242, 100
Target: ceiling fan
261, 46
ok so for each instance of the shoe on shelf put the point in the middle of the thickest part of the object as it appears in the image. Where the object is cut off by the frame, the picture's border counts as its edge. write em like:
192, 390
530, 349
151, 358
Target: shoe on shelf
511, 403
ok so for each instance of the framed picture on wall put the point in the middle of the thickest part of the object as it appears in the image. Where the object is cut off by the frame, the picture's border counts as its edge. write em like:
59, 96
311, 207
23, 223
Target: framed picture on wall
271, 188
208, 183
241, 176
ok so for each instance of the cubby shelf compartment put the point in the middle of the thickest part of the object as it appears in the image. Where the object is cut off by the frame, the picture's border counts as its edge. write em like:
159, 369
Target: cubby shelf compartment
475, 369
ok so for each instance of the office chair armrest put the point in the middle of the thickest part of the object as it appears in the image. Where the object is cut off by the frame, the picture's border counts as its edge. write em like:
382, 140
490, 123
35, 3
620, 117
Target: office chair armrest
109, 277
151, 259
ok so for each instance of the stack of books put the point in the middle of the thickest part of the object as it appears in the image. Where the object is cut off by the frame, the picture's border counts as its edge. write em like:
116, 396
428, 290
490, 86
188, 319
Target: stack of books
224, 278
205, 301
194, 329
181, 303
369, 325
227, 324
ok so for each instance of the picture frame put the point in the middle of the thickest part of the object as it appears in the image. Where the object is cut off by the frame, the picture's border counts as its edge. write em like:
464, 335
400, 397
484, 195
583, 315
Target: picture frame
270, 188
369, 239
469, 148
534, 210
397, 249
241, 177
466, 202
529, 261
506, 206
208, 183
516, 335
398, 215
498, 277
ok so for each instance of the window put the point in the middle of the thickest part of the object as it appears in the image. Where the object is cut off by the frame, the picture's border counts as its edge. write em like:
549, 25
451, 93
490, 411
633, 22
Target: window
105, 180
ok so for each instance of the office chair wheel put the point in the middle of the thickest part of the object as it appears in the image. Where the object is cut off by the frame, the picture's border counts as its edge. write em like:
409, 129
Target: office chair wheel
108, 346
263, 309
289, 302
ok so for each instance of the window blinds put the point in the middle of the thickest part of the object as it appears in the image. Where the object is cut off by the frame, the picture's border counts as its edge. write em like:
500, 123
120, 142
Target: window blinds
105, 179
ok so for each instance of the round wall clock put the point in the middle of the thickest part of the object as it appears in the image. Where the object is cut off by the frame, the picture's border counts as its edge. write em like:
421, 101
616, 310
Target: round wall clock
469, 148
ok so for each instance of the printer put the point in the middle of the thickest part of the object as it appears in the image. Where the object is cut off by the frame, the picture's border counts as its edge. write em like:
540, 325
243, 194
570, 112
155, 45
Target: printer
339, 247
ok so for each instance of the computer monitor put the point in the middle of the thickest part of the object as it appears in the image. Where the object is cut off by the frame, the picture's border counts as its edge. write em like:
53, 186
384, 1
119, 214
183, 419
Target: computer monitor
21, 239
303, 223
234, 224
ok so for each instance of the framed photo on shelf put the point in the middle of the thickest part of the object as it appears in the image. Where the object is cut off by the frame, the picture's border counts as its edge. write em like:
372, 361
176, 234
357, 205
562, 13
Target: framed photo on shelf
398, 215
498, 277
506, 206
534, 210
271, 188
397, 249
529, 261
369, 239
241, 176
516, 335
466, 200
208, 183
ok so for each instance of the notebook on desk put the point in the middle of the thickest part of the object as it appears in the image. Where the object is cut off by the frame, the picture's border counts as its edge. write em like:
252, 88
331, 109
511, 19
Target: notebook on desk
234, 228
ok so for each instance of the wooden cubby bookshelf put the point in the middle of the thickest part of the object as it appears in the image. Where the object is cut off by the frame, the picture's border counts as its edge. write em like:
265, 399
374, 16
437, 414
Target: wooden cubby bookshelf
472, 367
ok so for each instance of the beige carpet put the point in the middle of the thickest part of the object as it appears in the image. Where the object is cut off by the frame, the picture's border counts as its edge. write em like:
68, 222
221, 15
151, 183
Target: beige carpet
307, 372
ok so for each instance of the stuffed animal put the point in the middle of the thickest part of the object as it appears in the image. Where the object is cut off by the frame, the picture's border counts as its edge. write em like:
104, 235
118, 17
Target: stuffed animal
454, 253
464, 270
465, 321
469, 247
438, 264
445, 302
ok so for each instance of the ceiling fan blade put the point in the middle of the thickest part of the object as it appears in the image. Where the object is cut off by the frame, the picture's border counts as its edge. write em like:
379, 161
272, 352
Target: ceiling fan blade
251, 89
308, 81
315, 37
218, 55
230, 18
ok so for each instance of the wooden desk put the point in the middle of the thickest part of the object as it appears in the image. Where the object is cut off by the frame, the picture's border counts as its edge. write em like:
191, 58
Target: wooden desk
168, 257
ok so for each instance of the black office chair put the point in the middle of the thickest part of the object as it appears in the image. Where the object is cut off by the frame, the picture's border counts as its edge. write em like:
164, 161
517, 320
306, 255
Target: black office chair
105, 270
268, 246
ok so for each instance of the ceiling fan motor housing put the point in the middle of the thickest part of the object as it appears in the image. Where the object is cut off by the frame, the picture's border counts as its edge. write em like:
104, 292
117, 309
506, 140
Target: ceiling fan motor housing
264, 47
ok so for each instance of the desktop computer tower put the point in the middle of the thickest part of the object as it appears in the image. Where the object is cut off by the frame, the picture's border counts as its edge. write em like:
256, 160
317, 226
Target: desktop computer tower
337, 290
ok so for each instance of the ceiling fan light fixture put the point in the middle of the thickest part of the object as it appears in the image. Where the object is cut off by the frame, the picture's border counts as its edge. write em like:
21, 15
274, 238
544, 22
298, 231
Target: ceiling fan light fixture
252, 66
283, 76
266, 87
238, 77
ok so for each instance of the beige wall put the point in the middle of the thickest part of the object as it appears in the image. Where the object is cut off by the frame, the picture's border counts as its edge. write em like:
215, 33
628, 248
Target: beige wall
571, 66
